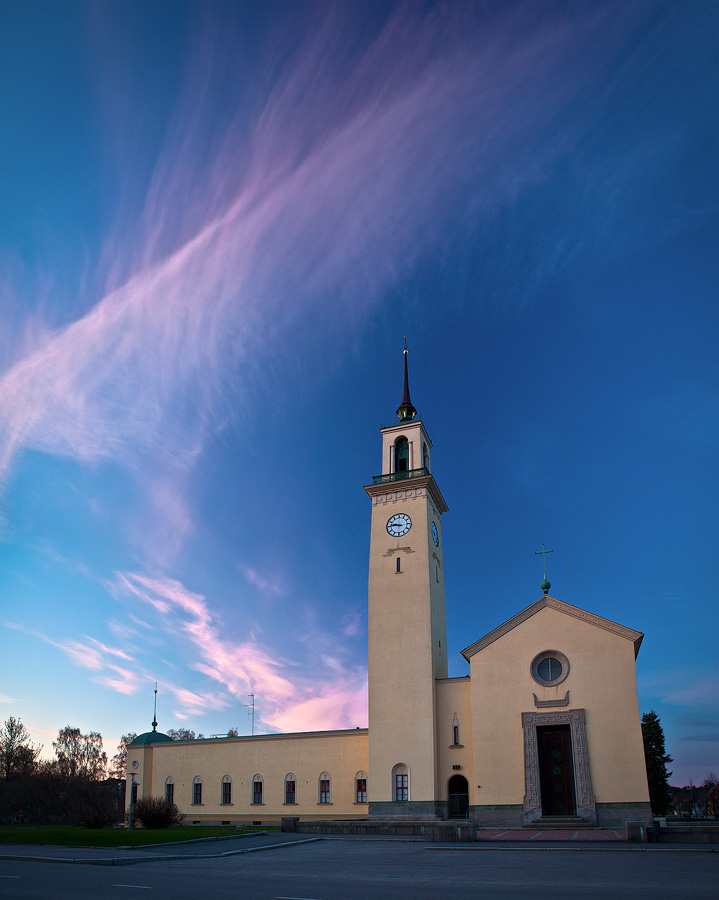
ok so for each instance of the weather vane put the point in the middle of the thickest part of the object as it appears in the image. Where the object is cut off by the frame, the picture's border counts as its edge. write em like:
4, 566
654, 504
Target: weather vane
154, 717
545, 585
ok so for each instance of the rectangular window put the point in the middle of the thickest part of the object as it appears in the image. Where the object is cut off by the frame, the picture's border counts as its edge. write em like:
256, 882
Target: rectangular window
361, 790
398, 569
134, 794
197, 793
257, 792
325, 790
401, 787
290, 792
226, 792
170, 793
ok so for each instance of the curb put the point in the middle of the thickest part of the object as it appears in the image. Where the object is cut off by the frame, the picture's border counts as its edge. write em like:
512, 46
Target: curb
582, 849
205, 840
131, 861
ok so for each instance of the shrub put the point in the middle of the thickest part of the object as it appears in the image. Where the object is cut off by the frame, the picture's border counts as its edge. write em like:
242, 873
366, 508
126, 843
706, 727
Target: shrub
155, 812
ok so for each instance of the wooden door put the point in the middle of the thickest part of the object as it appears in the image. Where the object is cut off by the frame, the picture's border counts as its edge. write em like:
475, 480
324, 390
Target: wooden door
556, 772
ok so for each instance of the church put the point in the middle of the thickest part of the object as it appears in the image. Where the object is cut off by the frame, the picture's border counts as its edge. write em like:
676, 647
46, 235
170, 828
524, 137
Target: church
546, 725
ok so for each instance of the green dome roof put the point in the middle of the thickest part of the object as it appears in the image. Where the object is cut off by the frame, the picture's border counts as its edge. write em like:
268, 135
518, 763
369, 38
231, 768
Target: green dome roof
151, 737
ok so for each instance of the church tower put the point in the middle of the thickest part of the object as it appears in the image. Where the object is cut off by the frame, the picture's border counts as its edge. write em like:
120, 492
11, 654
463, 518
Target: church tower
407, 621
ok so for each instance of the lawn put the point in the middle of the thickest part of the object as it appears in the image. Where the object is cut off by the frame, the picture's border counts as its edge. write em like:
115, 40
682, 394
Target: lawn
69, 836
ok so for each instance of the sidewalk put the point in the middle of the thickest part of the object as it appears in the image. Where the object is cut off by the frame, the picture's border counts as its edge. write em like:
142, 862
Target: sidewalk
207, 848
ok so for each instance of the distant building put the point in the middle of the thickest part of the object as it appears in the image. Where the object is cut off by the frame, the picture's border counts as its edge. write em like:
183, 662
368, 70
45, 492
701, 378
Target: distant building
546, 725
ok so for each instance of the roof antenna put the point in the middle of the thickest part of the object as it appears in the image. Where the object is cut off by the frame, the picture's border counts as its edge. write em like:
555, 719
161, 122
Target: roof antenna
545, 585
154, 717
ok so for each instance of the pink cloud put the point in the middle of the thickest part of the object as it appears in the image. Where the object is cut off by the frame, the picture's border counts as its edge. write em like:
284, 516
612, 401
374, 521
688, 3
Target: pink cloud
226, 252
329, 709
332, 694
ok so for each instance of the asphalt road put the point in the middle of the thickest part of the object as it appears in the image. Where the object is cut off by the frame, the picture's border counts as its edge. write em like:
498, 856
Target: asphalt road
370, 870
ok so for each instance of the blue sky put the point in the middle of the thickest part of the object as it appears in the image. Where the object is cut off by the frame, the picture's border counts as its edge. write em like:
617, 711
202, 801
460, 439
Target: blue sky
217, 223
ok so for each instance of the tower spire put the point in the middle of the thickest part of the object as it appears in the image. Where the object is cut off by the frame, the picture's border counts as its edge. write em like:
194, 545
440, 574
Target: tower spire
406, 411
154, 716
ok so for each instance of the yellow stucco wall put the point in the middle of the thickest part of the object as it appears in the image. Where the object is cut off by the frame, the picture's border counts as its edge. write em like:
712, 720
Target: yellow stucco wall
602, 681
454, 697
342, 754
407, 642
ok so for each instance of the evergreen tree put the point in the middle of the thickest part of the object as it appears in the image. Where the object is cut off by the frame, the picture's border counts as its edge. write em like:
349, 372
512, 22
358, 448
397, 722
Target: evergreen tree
657, 760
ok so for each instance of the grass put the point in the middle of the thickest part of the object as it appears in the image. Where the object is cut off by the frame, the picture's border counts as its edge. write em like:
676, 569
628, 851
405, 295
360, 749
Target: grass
71, 836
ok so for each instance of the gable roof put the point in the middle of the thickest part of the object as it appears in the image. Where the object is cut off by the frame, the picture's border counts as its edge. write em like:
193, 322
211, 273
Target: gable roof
560, 606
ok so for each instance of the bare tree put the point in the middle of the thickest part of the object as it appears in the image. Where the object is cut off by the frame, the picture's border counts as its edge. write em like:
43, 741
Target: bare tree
710, 802
17, 752
118, 765
80, 755
181, 734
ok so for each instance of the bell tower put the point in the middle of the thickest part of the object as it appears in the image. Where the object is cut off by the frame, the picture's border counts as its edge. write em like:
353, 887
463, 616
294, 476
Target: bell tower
407, 628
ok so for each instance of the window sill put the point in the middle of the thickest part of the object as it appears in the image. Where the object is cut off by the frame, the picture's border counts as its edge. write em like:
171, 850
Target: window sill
360, 803
257, 804
197, 804
227, 804
325, 804
456, 746
290, 804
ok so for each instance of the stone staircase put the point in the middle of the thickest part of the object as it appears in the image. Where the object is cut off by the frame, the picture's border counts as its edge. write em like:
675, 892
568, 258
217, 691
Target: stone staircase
560, 823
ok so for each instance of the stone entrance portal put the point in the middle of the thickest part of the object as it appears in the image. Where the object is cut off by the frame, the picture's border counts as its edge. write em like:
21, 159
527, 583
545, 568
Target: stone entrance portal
539, 760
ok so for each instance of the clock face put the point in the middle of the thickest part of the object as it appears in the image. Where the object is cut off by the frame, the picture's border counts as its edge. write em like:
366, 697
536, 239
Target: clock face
435, 535
399, 524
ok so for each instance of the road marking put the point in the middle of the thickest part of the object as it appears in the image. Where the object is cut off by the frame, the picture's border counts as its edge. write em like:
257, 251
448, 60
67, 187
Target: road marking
142, 887
296, 898
9, 876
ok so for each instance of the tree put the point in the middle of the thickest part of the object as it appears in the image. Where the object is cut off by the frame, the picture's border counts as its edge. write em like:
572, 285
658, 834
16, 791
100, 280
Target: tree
181, 734
118, 766
657, 760
233, 732
80, 755
17, 752
710, 800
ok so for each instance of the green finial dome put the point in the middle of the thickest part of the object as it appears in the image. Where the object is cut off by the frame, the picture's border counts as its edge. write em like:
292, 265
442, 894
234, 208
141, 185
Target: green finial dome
545, 586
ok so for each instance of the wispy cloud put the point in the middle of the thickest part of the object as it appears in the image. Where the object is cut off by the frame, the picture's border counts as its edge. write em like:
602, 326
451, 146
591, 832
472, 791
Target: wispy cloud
684, 688
332, 694
266, 584
388, 147
89, 653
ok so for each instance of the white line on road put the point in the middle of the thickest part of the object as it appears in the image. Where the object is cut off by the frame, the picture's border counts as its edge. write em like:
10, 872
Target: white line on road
296, 898
142, 887
9, 876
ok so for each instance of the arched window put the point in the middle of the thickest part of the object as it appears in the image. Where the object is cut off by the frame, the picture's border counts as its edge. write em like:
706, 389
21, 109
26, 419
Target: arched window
400, 783
401, 455
361, 787
290, 788
226, 790
324, 788
455, 731
170, 789
257, 790
196, 791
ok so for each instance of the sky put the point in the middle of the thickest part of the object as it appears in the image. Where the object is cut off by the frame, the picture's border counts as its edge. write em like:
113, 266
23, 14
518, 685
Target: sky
219, 220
